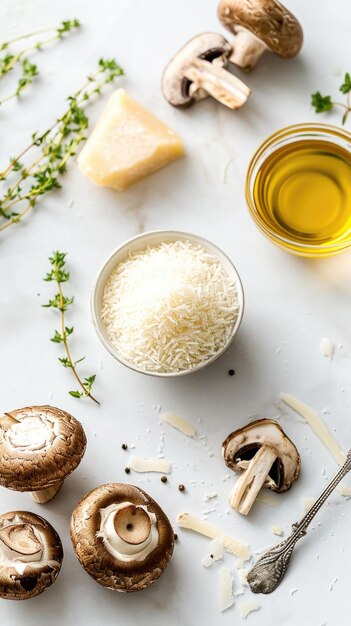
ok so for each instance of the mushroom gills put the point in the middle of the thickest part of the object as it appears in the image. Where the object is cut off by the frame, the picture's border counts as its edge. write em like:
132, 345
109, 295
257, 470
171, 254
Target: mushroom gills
45, 495
253, 478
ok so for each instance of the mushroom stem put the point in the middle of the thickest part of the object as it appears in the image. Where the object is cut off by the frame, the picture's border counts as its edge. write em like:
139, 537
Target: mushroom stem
45, 495
217, 82
247, 49
252, 480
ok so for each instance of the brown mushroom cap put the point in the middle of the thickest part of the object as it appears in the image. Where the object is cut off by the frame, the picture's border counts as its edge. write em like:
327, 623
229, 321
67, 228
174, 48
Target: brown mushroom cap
30, 555
89, 546
241, 446
40, 447
175, 85
268, 20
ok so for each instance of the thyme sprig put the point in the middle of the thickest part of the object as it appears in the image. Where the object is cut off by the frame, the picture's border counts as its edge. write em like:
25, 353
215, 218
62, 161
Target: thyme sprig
9, 60
325, 103
52, 149
60, 302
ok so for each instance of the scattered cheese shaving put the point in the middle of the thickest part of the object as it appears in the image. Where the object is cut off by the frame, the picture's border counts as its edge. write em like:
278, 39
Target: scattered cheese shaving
191, 522
344, 490
248, 607
277, 530
179, 423
317, 425
308, 503
326, 347
170, 307
226, 599
243, 574
139, 464
268, 500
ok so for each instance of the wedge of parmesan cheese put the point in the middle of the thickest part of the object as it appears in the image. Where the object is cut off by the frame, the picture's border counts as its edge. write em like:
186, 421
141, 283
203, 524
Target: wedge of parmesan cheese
127, 144
139, 464
226, 599
191, 522
180, 423
317, 425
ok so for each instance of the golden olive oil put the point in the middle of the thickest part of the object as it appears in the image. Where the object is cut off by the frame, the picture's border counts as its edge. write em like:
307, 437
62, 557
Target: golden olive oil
302, 192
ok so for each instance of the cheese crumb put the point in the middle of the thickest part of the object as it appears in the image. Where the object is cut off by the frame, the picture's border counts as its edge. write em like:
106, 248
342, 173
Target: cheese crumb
248, 607
277, 530
191, 522
326, 347
308, 503
215, 551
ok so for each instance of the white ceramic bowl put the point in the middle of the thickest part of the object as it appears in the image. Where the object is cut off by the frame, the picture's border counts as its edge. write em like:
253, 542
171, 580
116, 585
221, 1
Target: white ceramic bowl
140, 242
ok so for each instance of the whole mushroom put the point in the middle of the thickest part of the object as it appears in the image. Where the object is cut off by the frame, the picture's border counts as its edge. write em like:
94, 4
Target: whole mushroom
121, 537
39, 447
30, 555
198, 71
260, 25
265, 456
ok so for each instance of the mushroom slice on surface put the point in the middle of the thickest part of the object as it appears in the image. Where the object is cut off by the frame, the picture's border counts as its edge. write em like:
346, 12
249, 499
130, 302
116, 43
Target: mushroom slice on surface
266, 457
30, 555
39, 447
121, 537
260, 25
198, 71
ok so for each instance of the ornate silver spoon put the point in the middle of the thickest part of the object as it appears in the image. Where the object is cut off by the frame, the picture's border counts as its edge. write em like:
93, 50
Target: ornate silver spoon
269, 569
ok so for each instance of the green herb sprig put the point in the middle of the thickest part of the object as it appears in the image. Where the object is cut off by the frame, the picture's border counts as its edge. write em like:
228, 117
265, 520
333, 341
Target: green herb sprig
325, 103
52, 149
60, 302
29, 71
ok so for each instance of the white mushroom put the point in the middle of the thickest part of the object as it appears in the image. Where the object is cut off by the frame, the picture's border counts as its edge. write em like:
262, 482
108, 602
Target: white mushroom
198, 71
260, 25
39, 447
121, 537
30, 555
266, 457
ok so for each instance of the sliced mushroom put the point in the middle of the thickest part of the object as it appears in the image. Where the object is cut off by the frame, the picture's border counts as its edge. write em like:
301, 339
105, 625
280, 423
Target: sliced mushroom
30, 555
266, 457
121, 537
197, 71
260, 25
39, 447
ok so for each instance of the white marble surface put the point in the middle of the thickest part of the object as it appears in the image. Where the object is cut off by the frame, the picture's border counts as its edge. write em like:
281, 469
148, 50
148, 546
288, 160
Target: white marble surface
290, 305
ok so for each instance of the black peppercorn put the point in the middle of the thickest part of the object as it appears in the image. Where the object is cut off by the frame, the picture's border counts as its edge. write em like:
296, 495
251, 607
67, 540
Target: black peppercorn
124, 446
181, 487
164, 479
127, 470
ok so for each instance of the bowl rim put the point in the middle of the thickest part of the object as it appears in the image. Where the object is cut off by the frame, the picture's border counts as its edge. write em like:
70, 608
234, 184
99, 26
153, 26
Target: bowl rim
143, 237
294, 130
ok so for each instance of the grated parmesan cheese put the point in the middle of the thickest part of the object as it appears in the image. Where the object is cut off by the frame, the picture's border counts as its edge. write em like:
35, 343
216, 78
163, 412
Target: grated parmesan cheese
169, 307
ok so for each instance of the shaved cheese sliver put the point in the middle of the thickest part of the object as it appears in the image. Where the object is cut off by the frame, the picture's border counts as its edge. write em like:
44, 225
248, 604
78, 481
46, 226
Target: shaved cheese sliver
191, 522
326, 347
226, 599
243, 574
179, 423
268, 500
277, 530
215, 551
317, 425
139, 464
248, 607
308, 503
344, 490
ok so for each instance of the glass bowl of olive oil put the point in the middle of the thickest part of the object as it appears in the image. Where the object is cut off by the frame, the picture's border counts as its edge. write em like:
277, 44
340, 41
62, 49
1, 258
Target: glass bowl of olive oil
298, 189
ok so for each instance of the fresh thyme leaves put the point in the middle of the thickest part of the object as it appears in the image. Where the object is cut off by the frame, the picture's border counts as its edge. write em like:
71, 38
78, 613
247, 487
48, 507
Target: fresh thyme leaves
29, 72
325, 103
9, 60
60, 302
51, 150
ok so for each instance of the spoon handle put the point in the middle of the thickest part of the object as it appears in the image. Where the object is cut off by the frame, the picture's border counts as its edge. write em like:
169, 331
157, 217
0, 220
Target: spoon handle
270, 568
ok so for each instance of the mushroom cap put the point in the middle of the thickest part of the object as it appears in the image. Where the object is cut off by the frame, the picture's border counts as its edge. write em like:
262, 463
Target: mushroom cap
90, 548
30, 555
175, 84
268, 20
43, 448
241, 446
